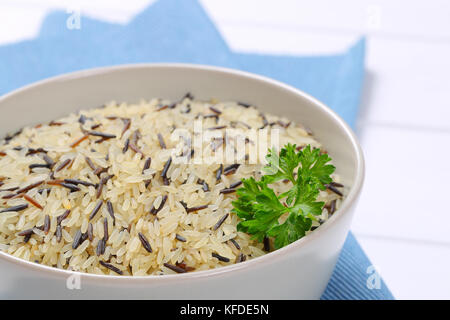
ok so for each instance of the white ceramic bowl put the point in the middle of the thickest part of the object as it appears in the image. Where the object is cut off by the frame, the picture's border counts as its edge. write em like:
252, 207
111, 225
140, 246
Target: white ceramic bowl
298, 271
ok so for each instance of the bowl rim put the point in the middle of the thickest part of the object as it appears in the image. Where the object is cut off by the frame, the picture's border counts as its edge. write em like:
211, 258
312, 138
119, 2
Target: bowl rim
348, 202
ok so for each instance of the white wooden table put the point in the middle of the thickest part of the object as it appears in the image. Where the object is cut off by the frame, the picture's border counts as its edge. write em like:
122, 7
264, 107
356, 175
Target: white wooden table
403, 218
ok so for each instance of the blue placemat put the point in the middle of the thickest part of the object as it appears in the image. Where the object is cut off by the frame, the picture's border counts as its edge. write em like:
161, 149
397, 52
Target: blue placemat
180, 31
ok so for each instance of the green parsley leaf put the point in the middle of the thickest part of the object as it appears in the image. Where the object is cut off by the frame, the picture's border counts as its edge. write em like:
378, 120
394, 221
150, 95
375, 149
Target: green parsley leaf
291, 230
260, 209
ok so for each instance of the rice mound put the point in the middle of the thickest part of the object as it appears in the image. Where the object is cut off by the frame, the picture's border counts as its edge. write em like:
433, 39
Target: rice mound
125, 214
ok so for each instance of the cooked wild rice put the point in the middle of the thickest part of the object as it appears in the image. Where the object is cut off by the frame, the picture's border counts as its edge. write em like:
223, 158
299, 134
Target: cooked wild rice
112, 201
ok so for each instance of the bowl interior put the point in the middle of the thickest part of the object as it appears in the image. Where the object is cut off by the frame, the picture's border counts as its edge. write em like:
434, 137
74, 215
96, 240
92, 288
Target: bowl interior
57, 97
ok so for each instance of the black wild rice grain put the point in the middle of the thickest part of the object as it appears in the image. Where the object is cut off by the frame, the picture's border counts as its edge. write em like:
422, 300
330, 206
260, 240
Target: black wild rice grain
204, 185
133, 147
105, 229
58, 233
332, 207
166, 181
180, 238
90, 163
60, 218
147, 164
241, 258
100, 247
39, 165
188, 95
166, 167
96, 209
243, 104
29, 187
161, 141
215, 116
100, 187
336, 184
55, 123
266, 244
62, 165
216, 128
70, 186
220, 222
100, 170
111, 267
17, 208
135, 136
95, 126
82, 119
8, 138
145, 242
283, 124
333, 189
77, 181
231, 169
102, 134
84, 236
126, 145
174, 268
11, 195
227, 190
127, 124
25, 232
27, 237
48, 160
154, 211
10, 189
46, 224
219, 173
90, 231
77, 239
236, 184
110, 208
100, 140
41, 191
197, 208
220, 258
216, 111
236, 244
183, 204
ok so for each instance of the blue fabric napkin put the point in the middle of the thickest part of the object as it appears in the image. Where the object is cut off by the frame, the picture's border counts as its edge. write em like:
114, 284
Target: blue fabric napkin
180, 31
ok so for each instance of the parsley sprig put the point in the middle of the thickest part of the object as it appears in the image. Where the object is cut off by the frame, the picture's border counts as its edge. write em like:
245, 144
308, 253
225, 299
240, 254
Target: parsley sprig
260, 208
